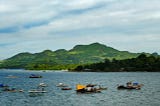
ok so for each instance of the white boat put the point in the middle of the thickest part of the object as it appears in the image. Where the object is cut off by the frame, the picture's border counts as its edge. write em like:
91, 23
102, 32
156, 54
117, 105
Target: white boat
36, 91
42, 85
62, 85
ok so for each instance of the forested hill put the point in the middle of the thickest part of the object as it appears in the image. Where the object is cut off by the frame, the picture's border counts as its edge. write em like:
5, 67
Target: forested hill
64, 59
141, 63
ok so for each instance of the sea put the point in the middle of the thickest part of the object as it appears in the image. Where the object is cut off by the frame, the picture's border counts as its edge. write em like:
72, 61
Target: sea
148, 95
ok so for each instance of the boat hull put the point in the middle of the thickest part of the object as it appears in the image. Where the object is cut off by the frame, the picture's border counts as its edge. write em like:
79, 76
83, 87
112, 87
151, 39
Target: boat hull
124, 87
37, 91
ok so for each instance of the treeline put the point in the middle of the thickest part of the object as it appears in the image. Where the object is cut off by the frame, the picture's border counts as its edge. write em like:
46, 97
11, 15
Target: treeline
141, 63
37, 66
50, 67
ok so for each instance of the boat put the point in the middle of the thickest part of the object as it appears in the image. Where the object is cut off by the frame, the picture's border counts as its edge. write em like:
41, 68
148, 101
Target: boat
3, 86
66, 88
11, 76
12, 90
87, 89
35, 76
42, 85
125, 87
62, 85
130, 85
36, 91
102, 88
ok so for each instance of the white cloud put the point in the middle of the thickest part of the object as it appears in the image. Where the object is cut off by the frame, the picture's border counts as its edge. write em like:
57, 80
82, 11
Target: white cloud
126, 25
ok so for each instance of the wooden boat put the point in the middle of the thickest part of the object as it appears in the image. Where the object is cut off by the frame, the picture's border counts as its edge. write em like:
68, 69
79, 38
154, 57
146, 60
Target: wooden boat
102, 88
125, 87
11, 76
66, 88
35, 76
87, 89
3, 86
12, 90
130, 85
36, 91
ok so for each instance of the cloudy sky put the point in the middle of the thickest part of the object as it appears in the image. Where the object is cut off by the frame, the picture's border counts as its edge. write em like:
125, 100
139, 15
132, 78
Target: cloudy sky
36, 25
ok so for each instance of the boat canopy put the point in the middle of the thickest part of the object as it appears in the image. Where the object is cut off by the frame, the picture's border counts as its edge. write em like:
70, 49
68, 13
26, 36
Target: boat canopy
79, 86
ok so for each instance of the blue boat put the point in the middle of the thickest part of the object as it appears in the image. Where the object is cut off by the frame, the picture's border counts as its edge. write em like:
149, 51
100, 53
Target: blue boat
2, 85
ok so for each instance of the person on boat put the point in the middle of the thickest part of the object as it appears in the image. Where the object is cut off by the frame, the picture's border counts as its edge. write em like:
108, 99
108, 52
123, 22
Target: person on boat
42, 89
129, 84
89, 89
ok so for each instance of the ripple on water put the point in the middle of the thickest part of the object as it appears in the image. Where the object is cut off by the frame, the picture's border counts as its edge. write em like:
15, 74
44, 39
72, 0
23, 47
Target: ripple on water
148, 96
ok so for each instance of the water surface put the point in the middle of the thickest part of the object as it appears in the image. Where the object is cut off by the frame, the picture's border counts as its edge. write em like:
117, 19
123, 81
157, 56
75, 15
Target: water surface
149, 95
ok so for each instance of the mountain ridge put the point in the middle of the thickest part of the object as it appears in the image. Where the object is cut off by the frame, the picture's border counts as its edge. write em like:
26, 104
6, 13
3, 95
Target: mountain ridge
62, 59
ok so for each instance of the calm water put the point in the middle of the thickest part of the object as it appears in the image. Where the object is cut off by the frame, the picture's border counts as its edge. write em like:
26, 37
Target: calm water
149, 95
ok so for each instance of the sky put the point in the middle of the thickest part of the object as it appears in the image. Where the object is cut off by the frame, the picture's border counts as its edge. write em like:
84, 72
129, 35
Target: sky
36, 25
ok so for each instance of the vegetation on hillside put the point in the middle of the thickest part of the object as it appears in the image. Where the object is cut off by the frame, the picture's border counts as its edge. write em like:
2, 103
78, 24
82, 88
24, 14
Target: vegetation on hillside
141, 63
63, 59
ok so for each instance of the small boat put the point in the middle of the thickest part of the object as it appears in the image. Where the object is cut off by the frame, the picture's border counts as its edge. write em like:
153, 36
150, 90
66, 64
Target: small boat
62, 85
35, 76
36, 91
102, 88
42, 85
9, 90
130, 85
12, 90
87, 89
3, 86
66, 88
11, 76
125, 87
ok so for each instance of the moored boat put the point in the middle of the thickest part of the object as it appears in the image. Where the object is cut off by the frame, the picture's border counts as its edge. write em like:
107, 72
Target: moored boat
62, 85
11, 76
7, 89
87, 89
36, 91
42, 85
3, 86
125, 87
130, 85
35, 76
66, 88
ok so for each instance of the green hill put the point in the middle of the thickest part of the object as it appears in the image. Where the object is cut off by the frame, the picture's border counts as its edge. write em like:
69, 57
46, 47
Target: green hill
63, 59
141, 63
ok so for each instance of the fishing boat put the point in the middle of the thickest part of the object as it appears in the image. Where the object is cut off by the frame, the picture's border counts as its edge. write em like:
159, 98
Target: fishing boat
3, 86
11, 76
102, 88
130, 85
35, 76
87, 89
66, 88
42, 85
36, 91
62, 85
12, 90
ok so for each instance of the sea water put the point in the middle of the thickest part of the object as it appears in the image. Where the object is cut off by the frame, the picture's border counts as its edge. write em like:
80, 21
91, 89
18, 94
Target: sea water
149, 95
